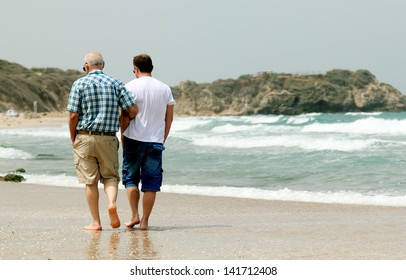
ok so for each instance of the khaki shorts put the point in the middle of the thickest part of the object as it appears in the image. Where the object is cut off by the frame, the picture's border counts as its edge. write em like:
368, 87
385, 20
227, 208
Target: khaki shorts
96, 158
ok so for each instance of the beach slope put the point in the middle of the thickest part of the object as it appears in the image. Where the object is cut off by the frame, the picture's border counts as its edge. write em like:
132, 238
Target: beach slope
45, 222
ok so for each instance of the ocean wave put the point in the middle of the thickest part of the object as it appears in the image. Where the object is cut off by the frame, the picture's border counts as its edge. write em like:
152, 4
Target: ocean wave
279, 119
361, 126
46, 133
11, 153
57, 180
188, 123
262, 119
363, 114
229, 128
297, 120
60, 180
286, 194
305, 142
283, 194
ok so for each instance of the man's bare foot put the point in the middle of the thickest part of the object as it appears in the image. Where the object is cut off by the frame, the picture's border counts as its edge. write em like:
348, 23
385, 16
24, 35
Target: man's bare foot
93, 227
144, 225
132, 223
114, 219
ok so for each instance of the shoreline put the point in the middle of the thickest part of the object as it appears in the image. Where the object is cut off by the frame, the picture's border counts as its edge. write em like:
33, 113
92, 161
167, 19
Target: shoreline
355, 199
45, 222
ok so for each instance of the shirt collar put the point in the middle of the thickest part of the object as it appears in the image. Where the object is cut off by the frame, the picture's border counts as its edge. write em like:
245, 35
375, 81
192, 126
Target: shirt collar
96, 71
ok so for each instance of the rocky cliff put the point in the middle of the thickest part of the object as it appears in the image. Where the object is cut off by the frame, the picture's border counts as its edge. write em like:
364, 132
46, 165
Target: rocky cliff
264, 93
273, 93
21, 87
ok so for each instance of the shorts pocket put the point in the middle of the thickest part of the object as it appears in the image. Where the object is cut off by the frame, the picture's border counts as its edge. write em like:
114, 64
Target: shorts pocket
78, 141
157, 148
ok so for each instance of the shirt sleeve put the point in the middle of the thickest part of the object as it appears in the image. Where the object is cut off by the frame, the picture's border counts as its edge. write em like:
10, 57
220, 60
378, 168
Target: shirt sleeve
171, 100
126, 98
73, 101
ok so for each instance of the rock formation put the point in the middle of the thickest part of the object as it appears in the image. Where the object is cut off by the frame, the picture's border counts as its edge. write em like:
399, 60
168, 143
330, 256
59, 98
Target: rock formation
272, 93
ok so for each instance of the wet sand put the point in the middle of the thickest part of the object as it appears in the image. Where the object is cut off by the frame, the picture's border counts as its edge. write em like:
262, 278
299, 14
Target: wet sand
45, 222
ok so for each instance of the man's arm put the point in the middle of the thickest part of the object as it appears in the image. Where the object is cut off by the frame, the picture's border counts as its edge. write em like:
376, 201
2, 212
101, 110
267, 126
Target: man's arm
124, 122
132, 111
73, 122
168, 120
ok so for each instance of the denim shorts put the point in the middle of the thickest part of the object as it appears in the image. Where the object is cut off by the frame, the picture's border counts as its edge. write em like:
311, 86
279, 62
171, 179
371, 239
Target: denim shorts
142, 162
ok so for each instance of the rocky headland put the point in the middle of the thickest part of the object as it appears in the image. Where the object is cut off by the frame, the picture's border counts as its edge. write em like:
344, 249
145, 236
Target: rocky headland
275, 93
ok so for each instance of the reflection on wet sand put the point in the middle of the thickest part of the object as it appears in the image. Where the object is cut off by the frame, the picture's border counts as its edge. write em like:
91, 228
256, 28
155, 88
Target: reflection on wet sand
93, 249
141, 246
113, 245
123, 244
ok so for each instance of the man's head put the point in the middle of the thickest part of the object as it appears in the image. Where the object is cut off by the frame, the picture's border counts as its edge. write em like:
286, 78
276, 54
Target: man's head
144, 63
92, 61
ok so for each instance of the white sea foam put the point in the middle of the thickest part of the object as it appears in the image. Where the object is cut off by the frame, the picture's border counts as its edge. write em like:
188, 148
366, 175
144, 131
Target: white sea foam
283, 194
305, 142
61, 180
273, 119
364, 114
262, 119
299, 120
45, 133
11, 153
290, 195
334, 144
362, 126
291, 132
183, 124
229, 128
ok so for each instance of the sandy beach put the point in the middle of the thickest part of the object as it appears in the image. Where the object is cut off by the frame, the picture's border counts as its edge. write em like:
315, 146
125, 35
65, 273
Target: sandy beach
34, 119
45, 222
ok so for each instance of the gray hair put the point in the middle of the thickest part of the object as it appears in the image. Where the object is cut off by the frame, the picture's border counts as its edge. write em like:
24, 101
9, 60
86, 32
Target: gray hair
94, 59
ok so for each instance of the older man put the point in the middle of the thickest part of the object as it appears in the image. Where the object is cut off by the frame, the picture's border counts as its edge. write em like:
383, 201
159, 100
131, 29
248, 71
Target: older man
94, 112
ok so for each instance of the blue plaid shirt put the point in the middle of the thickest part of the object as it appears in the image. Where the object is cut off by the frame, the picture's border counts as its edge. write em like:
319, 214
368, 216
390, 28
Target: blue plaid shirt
97, 98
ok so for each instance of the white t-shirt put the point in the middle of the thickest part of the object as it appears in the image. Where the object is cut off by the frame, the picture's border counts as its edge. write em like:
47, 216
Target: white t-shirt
152, 97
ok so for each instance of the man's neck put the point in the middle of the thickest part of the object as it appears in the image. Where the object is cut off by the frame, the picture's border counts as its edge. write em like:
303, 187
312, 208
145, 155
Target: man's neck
143, 74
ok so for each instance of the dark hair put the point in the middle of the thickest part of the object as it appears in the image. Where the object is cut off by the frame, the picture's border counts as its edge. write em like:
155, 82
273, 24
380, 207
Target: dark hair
143, 62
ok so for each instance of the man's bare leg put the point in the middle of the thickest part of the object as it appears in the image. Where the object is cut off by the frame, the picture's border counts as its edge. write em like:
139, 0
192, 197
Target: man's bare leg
111, 190
92, 196
147, 205
133, 194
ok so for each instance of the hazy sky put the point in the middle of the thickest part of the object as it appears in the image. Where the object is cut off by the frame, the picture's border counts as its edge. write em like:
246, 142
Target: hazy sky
208, 40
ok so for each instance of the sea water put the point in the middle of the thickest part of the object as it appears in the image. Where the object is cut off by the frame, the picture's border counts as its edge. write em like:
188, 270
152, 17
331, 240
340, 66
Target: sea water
352, 158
